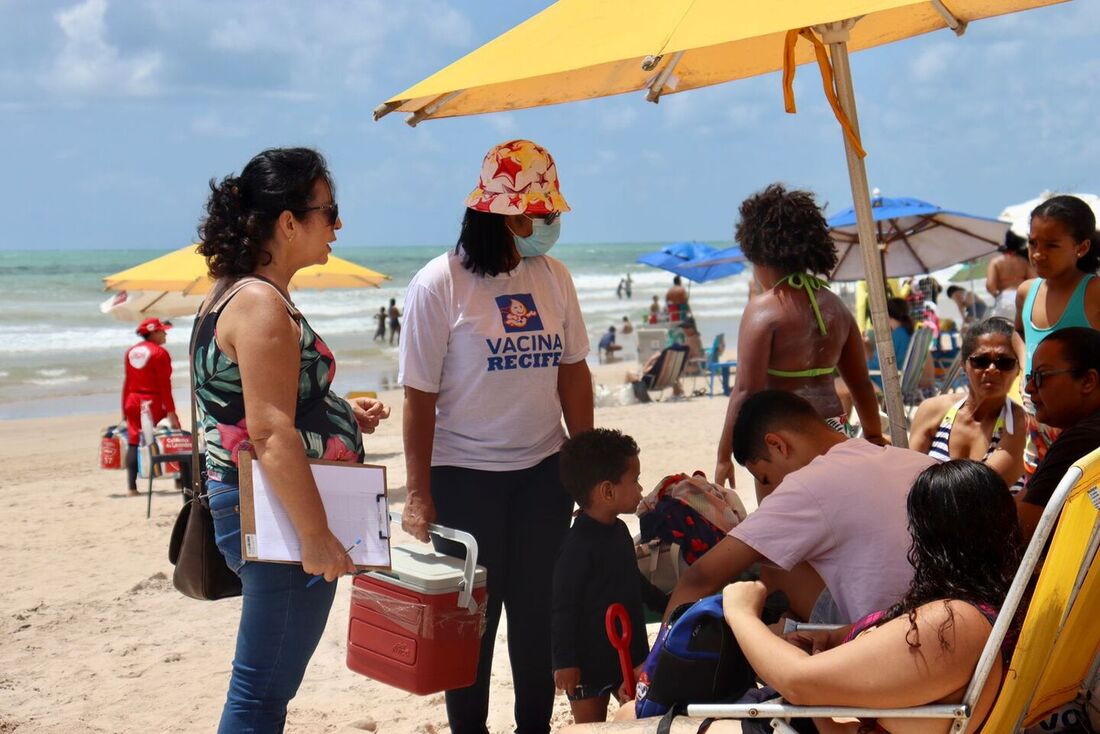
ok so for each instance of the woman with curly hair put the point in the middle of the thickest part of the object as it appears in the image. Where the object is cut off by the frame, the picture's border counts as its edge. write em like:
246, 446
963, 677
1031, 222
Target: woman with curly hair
965, 549
262, 383
796, 334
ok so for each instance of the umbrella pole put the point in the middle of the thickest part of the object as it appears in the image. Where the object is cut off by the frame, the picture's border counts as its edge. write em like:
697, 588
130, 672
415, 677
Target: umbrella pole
836, 36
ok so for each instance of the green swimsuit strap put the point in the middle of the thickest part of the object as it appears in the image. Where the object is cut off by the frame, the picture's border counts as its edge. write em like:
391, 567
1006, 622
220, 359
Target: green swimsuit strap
808, 283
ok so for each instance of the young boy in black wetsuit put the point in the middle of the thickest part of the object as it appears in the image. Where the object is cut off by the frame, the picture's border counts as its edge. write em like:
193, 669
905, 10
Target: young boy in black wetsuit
597, 568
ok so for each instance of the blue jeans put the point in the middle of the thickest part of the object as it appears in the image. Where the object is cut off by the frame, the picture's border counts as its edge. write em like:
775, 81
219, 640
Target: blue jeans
281, 624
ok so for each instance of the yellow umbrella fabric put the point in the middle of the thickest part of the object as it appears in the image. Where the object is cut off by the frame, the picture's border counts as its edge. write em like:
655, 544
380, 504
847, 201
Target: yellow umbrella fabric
184, 271
580, 49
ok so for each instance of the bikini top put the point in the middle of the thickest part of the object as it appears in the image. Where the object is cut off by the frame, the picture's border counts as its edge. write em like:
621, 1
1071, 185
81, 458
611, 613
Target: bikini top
941, 452
808, 283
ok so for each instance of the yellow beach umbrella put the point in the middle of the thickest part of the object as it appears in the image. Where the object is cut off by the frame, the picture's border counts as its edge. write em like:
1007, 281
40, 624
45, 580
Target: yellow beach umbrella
581, 49
173, 284
184, 271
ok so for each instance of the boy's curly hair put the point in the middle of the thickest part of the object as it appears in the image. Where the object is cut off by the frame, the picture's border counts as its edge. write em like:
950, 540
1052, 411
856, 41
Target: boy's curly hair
589, 458
786, 230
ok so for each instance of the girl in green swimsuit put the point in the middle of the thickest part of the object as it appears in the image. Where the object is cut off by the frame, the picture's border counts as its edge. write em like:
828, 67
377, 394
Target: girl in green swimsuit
796, 334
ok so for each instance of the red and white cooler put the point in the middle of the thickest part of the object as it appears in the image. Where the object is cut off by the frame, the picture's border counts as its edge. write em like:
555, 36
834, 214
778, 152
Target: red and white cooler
418, 626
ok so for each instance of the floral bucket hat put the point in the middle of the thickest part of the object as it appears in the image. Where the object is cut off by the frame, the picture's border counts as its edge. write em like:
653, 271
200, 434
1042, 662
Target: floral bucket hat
518, 177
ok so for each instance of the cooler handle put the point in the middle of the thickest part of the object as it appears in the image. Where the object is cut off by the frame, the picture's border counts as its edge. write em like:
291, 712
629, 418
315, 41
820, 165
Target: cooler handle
466, 592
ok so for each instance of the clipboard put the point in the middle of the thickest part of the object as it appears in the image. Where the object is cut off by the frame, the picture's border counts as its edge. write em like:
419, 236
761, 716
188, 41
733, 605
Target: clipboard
356, 503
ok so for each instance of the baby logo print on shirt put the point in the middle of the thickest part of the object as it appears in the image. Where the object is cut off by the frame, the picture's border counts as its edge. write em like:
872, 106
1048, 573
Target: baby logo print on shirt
518, 313
526, 351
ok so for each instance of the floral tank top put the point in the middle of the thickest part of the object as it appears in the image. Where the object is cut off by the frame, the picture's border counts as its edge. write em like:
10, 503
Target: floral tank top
325, 422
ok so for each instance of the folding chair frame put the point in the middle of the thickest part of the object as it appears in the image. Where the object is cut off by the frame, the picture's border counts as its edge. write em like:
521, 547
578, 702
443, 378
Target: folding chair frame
779, 713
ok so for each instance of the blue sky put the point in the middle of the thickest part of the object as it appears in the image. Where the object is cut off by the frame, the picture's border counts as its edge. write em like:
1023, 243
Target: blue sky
115, 114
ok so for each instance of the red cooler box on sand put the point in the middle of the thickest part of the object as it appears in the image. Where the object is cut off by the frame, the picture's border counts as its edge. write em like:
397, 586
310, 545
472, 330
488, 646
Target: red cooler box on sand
418, 626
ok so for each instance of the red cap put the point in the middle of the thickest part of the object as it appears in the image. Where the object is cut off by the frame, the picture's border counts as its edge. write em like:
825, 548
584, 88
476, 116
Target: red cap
149, 325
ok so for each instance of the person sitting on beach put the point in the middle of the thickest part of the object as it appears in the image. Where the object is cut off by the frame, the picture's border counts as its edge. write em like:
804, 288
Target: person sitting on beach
627, 328
697, 357
831, 514
597, 568
901, 333
607, 345
986, 425
1064, 384
965, 547
797, 334
970, 306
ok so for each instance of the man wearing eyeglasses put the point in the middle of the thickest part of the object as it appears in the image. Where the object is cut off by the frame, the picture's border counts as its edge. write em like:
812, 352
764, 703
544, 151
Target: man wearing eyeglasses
1064, 385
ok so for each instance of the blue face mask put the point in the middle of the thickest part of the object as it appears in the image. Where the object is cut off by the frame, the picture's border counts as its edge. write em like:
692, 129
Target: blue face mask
542, 238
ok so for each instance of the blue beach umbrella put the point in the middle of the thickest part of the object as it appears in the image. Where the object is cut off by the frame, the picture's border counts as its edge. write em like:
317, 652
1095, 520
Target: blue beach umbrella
914, 237
691, 260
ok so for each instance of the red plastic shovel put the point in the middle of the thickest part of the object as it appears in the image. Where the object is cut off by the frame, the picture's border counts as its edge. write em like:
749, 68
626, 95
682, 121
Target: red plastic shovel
621, 642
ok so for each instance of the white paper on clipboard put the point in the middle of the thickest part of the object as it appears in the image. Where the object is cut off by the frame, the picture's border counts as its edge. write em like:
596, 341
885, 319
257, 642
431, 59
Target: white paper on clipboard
354, 496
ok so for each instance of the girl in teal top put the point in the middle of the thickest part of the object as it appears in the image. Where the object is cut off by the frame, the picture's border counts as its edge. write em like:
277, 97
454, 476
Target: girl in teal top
796, 334
1064, 247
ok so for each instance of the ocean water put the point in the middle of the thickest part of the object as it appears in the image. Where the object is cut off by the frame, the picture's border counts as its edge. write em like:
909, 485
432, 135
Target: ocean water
60, 355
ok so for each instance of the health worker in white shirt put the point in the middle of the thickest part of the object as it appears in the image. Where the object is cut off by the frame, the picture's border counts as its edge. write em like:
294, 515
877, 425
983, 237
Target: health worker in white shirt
492, 360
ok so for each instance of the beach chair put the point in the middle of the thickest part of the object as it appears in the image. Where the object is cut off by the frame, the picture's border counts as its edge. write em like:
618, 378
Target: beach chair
1055, 658
713, 367
951, 381
912, 370
666, 371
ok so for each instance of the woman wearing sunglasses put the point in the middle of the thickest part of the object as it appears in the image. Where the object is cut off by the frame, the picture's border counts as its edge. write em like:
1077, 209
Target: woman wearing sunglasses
986, 425
492, 358
262, 381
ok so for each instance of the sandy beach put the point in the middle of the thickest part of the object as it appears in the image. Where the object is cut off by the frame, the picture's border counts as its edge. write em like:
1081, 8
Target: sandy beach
98, 640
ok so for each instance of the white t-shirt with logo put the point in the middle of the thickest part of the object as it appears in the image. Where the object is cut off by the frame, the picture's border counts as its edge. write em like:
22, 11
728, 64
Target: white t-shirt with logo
490, 347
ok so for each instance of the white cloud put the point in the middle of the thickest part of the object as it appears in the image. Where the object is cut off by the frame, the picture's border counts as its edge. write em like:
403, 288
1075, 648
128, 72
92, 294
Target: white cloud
503, 122
620, 117
88, 64
933, 61
211, 124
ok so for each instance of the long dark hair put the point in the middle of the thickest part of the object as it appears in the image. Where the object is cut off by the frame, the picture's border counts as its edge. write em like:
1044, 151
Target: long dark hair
485, 243
1077, 217
242, 210
965, 541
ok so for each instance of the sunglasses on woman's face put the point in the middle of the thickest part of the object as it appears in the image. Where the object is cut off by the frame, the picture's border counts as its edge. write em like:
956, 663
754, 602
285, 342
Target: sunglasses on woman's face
983, 362
332, 209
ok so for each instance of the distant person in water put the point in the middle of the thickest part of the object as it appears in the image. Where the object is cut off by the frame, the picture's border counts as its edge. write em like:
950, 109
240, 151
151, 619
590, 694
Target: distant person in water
380, 332
395, 321
797, 333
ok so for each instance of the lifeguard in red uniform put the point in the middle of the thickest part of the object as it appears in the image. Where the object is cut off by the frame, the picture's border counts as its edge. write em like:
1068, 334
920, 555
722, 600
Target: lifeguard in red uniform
148, 380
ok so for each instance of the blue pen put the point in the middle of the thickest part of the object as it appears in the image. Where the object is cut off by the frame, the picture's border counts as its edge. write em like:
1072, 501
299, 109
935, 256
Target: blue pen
347, 550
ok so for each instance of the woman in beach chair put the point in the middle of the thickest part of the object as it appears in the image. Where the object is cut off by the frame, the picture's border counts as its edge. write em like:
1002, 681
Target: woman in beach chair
986, 425
966, 547
797, 334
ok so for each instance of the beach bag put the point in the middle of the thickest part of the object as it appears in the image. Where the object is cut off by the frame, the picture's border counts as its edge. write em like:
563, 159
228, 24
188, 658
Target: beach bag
690, 512
695, 659
660, 564
200, 569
